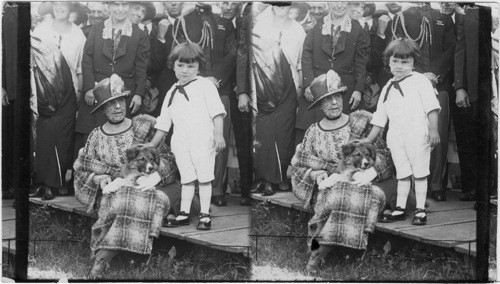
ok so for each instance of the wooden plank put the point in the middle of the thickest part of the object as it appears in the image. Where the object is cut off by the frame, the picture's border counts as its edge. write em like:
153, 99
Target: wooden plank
286, 199
8, 213
229, 210
434, 219
236, 241
443, 236
219, 224
259, 197
466, 248
8, 229
435, 206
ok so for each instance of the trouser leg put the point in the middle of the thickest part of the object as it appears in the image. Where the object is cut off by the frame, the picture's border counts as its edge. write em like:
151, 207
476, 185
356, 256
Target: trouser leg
221, 158
439, 153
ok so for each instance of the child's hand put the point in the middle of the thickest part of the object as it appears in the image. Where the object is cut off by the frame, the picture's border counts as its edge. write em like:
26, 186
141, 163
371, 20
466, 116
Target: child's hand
321, 178
219, 143
433, 138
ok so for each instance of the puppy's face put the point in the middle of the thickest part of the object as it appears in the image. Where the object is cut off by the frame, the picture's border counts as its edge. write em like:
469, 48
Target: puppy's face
144, 160
359, 155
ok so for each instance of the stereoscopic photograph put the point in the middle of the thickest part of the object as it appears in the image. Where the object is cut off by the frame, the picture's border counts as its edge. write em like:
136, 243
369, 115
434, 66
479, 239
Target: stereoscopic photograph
249, 141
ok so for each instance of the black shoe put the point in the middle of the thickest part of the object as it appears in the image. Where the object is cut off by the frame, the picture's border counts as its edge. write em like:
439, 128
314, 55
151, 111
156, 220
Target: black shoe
268, 189
39, 191
285, 186
219, 200
419, 220
468, 196
438, 195
390, 218
206, 225
245, 201
257, 187
172, 223
48, 195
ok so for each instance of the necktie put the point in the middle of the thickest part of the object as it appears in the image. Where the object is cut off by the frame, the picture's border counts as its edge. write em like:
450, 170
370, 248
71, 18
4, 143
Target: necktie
396, 86
181, 90
366, 27
146, 30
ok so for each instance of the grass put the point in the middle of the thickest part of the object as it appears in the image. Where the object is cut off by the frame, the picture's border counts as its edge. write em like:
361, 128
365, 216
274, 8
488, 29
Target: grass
387, 258
62, 250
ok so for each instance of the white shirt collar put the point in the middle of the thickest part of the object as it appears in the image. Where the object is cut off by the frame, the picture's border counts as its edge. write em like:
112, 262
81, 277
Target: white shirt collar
362, 21
171, 19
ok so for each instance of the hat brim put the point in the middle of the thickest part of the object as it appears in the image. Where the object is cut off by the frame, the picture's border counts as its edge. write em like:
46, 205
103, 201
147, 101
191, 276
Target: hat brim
150, 10
47, 8
315, 102
124, 94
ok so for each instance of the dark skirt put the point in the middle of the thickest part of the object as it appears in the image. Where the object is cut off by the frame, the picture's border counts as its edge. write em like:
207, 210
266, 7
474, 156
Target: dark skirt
54, 144
275, 131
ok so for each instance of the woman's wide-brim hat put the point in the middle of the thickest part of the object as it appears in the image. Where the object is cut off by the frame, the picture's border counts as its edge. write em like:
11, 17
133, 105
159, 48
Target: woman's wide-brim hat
326, 85
150, 10
109, 89
47, 8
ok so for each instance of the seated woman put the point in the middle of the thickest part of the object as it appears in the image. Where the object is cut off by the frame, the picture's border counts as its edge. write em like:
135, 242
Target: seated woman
318, 156
130, 217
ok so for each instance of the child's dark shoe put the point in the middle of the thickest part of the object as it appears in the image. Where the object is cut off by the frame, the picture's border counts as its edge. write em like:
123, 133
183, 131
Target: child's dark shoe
219, 200
177, 222
205, 223
420, 217
397, 215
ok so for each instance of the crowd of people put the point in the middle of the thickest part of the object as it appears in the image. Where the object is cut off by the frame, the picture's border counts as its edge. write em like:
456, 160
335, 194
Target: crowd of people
293, 81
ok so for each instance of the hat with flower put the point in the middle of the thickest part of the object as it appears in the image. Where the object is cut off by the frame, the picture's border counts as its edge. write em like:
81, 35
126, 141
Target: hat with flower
109, 89
326, 85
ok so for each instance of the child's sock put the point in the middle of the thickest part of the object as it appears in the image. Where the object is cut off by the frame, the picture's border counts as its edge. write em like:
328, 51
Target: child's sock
187, 194
421, 192
403, 191
205, 196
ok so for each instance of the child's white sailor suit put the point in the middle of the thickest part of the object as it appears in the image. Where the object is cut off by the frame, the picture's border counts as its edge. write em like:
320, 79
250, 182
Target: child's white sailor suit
191, 109
406, 103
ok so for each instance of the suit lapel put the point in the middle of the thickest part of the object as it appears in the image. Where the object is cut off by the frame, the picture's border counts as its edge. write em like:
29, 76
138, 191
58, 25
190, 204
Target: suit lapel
122, 47
107, 48
341, 43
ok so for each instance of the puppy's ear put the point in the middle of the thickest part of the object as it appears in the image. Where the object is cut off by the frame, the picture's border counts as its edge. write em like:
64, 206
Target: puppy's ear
131, 153
347, 149
371, 149
156, 155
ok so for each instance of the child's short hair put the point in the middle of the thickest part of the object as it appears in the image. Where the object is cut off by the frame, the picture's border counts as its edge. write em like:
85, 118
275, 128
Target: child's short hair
402, 48
187, 53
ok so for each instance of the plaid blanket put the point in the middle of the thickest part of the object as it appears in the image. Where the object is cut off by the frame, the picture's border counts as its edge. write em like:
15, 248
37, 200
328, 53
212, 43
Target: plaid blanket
345, 214
307, 165
128, 218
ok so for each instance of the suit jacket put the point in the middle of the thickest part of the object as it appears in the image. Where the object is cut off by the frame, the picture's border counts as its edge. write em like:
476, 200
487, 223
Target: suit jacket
473, 51
443, 41
130, 62
349, 61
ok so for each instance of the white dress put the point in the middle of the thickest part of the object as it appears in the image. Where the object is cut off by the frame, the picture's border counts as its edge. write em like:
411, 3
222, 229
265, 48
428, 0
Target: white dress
71, 45
193, 138
408, 133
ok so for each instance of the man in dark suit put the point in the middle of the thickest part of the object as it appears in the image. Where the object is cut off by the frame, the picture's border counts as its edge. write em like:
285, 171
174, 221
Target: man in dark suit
241, 117
449, 8
436, 63
97, 14
216, 36
470, 88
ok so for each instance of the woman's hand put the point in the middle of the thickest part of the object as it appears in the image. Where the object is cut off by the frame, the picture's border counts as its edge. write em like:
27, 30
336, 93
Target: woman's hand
308, 94
105, 181
219, 143
462, 99
365, 177
355, 100
89, 97
433, 138
135, 104
148, 182
321, 177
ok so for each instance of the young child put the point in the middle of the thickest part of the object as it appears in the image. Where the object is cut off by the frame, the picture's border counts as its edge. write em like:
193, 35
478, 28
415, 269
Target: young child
193, 106
408, 101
